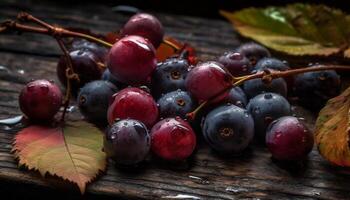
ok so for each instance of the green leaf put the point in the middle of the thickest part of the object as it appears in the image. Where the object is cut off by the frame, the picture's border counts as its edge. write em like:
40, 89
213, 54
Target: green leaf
297, 29
72, 151
333, 128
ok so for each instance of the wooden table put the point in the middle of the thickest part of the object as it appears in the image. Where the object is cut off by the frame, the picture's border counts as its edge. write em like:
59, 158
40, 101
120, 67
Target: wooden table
207, 176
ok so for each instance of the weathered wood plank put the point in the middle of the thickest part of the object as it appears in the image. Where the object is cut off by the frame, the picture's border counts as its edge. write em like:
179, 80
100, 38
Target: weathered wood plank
206, 175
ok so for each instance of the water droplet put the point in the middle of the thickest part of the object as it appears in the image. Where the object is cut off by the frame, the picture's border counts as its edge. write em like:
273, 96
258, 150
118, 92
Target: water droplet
256, 110
236, 56
268, 96
20, 71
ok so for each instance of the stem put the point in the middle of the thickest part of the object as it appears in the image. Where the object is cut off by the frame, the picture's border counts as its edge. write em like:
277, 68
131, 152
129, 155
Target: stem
53, 31
70, 75
171, 44
267, 75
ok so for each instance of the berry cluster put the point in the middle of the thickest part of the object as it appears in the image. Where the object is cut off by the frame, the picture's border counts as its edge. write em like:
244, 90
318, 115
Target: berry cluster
147, 104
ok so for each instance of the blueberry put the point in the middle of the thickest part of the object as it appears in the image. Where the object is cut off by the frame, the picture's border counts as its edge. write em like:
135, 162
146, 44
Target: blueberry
169, 76
271, 63
107, 76
314, 89
176, 103
265, 108
93, 100
127, 142
257, 86
237, 97
253, 51
235, 63
228, 129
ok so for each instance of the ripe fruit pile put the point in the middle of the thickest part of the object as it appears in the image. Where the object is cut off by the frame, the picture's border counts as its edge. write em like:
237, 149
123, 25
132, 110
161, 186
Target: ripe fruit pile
146, 103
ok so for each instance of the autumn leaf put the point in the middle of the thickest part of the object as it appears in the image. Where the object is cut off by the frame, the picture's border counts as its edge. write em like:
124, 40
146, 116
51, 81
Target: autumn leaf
333, 128
73, 151
297, 29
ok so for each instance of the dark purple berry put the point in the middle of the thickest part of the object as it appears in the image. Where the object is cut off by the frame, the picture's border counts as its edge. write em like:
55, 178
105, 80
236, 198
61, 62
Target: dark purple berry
127, 142
289, 139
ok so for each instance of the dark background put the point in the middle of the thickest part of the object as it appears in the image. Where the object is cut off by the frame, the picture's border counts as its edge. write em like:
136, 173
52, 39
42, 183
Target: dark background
206, 8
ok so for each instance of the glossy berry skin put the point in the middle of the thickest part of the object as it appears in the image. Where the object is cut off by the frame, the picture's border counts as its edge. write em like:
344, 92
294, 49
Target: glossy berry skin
265, 108
132, 59
228, 129
255, 87
169, 76
133, 103
235, 63
253, 51
145, 25
288, 139
271, 63
176, 103
127, 142
207, 80
40, 100
94, 98
236, 96
85, 63
173, 139
81, 44
314, 89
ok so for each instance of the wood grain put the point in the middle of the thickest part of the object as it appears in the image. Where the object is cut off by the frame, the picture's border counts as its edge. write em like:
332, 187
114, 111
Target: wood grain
253, 175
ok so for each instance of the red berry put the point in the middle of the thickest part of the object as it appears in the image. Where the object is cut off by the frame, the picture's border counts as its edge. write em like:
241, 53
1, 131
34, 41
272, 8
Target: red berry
132, 60
173, 139
289, 139
133, 103
145, 25
207, 80
40, 100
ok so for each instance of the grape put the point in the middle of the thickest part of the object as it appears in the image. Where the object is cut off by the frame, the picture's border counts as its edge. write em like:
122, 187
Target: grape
127, 142
145, 25
289, 139
132, 59
228, 129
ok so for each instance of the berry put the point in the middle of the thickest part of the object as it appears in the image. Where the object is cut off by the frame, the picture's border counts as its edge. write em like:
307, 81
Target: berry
127, 142
133, 103
107, 76
235, 63
265, 108
100, 51
253, 51
173, 139
85, 63
176, 103
169, 75
40, 100
228, 129
94, 98
145, 25
237, 97
289, 139
132, 59
257, 86
271, 63
314, 89
207, 80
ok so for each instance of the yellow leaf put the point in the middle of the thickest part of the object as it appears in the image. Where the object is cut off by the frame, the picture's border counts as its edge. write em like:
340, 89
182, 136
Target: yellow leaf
73, 152
332, 130
296, 29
